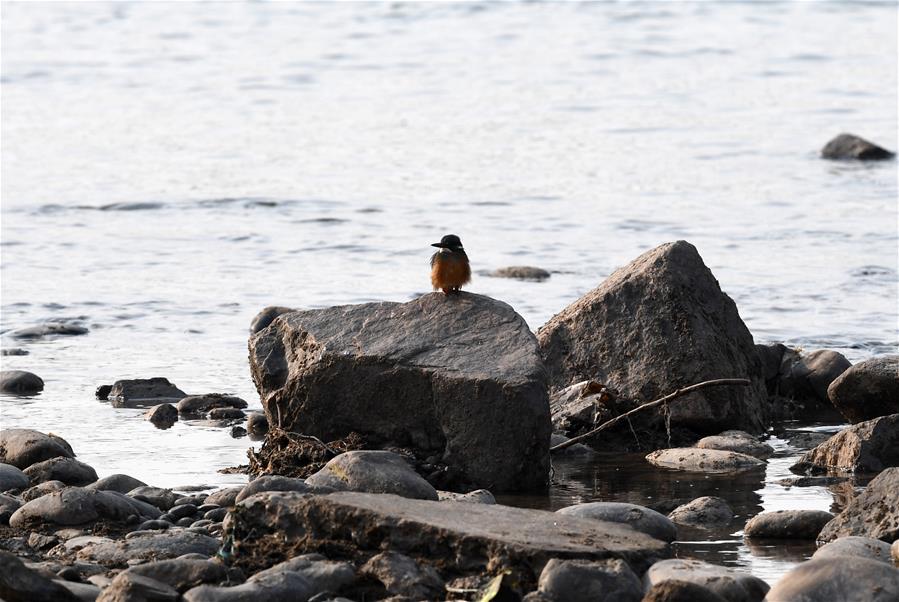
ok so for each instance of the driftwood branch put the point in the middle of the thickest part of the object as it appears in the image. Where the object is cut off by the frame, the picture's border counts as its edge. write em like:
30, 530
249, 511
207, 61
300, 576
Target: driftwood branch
708, 383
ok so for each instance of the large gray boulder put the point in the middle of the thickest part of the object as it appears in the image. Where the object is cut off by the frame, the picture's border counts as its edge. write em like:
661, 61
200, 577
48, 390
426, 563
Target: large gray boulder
867, 447
454, 377
872, 513
868, 389
24, 447
658, 324
846, 579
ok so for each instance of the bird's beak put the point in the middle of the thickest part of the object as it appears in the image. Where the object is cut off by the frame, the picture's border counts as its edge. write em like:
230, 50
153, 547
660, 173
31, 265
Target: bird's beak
439, 245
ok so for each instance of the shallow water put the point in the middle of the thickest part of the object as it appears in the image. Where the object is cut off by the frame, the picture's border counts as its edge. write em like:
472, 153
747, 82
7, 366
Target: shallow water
168, 171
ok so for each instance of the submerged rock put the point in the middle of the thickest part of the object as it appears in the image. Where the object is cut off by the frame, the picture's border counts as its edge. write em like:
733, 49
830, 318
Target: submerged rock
49, 329
872, 513
455, 376
640, 518
868, 389
144, 392
24, 447
14, 351
731, 585
706, 512
737, 441
12, 478
654, 326
590, 581
373, 472
787, 524
850, 146
163, 415
867, 447
846, 579
20, 382
703, 460
852, 545
67, 470
521, 272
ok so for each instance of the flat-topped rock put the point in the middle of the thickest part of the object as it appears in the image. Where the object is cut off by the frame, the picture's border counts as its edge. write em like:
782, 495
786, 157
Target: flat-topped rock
695, 459
458, 535
456, 377
866, 447
144, 392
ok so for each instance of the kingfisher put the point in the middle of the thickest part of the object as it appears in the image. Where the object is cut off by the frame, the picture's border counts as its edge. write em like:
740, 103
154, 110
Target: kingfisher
449, 265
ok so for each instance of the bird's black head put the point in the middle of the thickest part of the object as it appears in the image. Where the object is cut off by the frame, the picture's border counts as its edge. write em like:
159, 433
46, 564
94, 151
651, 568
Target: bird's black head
450, 241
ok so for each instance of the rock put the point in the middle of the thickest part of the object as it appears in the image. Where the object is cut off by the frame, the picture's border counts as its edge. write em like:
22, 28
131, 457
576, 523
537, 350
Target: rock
863, 547
867, 447
467, 385
582, 406
846, 579
807, 376
144, 393
75, 506
521, 272
458, 536
182, 573
706, 512
872, 513
86, 592
850, 146
163, 415
257, 424
703, 460
24, 447
200, 404
806, 439
14, 351
578, 449
117, 482
42, 489
478, 496
322, 574
182, 510
590, 581
8, 505
894, 552
12, 478
154, 525
284, 586
48, 329
68, 470
402, 576
737, 441
133, 587
730, 584
103, 392
787, 524
640, 518
238, 431
39, 541
226, 414
20, 382
274, 483
266, 317
373, 472
868, 389
771, 356
20, 584
224, 497
680, 591
158, 496
150, 545
658, 324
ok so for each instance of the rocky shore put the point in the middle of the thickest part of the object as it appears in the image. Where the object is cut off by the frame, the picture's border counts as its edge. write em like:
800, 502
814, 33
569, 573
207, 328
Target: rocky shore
390, 429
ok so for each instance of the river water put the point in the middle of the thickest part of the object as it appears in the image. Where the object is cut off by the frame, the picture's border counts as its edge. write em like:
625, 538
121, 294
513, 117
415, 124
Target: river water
169, 169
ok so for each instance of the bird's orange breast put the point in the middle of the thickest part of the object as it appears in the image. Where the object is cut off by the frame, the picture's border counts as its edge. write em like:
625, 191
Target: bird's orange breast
449, 271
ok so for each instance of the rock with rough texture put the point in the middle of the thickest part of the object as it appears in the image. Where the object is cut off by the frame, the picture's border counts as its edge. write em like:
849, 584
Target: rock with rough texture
20, 382
18, 583
8, 505
144, 392
703, 460
590, 581
267, 316
200, 404
732, 585
133, 587
478, 496
160, 497
76, 506
182, 573
373, 472
457, 535
846, 579
872, 513
226, 414
150, 545
41, 489
654, 326
737, 441
117, 482
581, 406
283, 586
257, 424
640, 518
680, 591
12, 478
868, 389
708, 512
24, 447
850, 146
521, 272
787, 524
322, 574
403, 576
457, 376
867, 447
863, 547
273, 483
163, 415
68, 470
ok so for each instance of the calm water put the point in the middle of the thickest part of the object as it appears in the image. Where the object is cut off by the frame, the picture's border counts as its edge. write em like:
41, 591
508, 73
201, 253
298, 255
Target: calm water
168, 170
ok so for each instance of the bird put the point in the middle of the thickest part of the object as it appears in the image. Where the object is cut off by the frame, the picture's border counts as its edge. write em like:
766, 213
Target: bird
449, 265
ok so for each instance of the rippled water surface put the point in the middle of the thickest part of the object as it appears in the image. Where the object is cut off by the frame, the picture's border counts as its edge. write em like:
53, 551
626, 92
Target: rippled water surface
169, 169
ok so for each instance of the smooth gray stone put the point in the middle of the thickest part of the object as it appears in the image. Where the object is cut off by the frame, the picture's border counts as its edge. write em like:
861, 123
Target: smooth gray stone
640, 518
282, 586
158, 496
8, 505
323, 575
680, 591
73, 506
24, 447
42, 489
846, 578
706, 512
853, 545
200, 404
257, 423
48, 329
373, 472
266, 317
787, 524
12, 478
86, 592
164, 414
868, 389
693, 459
21, 584
20, 382
403, 576
273, 483
67, 470
182, 573
590, 581
150, 545
117, 482
730, 584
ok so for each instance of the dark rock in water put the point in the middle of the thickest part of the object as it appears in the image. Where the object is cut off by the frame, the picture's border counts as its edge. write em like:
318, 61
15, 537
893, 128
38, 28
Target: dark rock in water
163, 415
12, 478
695, 459
866, 447
24, 447
257, 423
14, 351
868, 389
266, 317
74, 506
808, 375
272, 483
158, 496
850, 146
455, 376
200, 404
68, 470
787, 524
48, 329
521, 272
18, 583
103, 392
861, 547
129, 586
8, 505
845, 579
20, 382
373, 472
150, 545
872, 513
733, 586
144, 392
271, 587
737, 441
637, 517
41, 489
680, 591
590, 581
457, 536
403, 576
707, 512
117, 482
226, 414
238, 431
182, 573
654, 326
